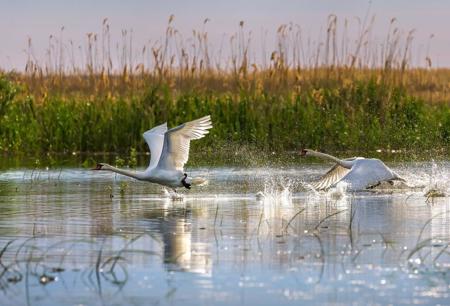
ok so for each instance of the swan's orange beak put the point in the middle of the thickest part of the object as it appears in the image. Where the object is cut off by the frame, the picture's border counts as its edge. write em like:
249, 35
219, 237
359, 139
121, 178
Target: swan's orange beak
98, 167
303, 152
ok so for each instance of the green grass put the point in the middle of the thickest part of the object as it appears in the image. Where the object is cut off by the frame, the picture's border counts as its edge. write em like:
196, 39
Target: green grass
363, 116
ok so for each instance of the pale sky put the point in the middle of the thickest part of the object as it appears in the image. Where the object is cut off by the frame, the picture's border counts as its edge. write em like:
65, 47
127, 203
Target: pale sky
20, 19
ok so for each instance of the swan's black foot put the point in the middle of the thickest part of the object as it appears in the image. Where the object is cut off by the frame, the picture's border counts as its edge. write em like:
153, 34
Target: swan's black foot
183, 181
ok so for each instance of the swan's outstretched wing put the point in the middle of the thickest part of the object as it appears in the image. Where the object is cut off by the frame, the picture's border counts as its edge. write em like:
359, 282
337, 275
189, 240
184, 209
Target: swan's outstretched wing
175, 152
334, 175
155, 141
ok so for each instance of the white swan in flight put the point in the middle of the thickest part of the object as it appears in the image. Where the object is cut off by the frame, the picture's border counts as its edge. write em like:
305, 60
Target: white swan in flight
358, 172
169, 151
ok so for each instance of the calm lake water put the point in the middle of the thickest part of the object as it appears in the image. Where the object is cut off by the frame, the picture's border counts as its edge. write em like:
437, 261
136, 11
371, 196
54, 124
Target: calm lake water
80, 237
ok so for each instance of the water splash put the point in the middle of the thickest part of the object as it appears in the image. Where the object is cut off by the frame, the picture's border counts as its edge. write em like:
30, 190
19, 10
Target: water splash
338, 195
339, 192
430, 178
169, 194
423, 178
165, 193
275, 201
438, 183
276, 190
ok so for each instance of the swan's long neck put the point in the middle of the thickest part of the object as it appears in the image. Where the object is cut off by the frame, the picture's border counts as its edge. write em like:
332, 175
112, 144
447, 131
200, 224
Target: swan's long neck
133, 174
343, 163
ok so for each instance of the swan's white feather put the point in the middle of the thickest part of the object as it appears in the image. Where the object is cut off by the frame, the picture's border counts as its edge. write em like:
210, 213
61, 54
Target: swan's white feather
332, 177
175, 151
367, 172
155, 142
358, 172
169, 152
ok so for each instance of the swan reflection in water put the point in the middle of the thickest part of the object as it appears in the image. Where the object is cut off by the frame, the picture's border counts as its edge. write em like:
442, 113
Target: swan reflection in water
185, 249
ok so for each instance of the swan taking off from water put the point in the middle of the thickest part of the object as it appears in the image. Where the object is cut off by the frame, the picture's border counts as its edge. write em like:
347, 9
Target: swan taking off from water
169, 151
358, 172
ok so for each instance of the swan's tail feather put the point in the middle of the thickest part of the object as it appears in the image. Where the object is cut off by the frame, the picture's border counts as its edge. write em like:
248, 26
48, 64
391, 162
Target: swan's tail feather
199, 181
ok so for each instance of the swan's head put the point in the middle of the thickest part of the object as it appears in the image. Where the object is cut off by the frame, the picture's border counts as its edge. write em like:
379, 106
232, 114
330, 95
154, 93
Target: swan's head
100, 166
305, 152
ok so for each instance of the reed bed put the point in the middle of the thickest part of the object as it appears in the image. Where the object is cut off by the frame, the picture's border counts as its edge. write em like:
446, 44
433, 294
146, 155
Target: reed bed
334, 94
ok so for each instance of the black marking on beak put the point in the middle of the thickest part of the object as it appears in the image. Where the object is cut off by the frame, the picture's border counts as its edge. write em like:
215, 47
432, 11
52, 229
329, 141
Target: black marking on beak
98, 167
183, 181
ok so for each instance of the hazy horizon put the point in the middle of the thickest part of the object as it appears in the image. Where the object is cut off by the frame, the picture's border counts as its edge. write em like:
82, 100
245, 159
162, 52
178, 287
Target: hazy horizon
23, 19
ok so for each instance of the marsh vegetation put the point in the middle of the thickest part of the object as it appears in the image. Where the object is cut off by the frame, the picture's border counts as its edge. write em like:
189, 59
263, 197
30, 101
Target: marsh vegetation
331, 93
